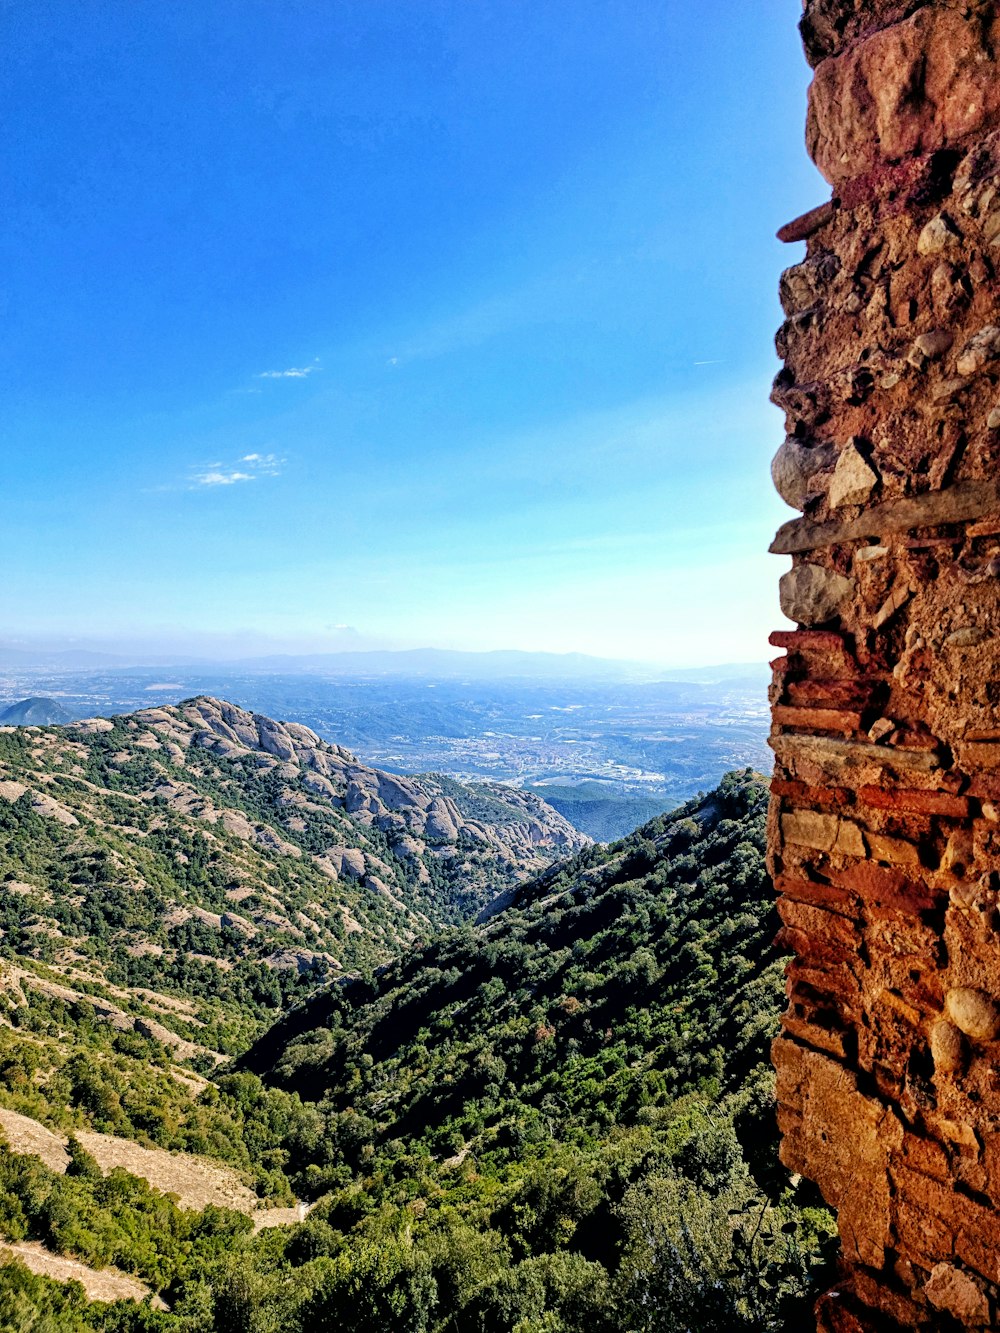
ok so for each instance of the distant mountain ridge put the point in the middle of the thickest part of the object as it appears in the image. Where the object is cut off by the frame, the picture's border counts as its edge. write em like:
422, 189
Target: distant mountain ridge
446, 663
434, 663
35, 712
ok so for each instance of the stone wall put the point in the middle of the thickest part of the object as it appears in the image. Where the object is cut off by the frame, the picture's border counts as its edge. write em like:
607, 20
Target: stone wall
885, 811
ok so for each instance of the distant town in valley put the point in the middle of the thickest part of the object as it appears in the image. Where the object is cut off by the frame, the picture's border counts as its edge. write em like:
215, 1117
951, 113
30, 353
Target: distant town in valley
608, 744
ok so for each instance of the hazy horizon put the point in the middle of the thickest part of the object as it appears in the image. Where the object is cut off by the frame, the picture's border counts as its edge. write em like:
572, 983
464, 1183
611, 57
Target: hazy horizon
236, 649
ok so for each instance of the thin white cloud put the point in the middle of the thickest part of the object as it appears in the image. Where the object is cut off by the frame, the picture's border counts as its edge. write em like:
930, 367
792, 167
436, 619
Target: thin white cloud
220, 478
249, 467
292, 373
263, 465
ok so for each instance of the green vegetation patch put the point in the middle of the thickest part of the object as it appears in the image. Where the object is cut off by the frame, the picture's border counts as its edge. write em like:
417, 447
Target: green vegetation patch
558, 1122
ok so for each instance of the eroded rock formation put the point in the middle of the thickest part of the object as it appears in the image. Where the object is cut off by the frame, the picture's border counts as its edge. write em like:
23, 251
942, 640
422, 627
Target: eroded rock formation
885, 813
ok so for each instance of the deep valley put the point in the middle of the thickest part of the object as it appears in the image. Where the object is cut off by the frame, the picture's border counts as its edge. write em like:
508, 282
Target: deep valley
294, 1044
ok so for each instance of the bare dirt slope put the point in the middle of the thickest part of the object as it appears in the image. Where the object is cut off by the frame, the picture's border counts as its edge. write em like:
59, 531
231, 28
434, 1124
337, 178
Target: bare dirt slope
104, 1285
195, 1181
27, 1136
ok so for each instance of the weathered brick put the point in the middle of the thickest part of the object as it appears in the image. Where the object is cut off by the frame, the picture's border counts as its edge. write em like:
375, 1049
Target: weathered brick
807, 224
837, 982
828, 896
853, 692
824, 832
887, 887
910, 1013
878, 1293
816, 719
808, 640
802, 793
985, 787
926, 1156
789, 940
924, 1218
838, 761
829, 926
835, 1041
977, 1247
991, 1164
915, 802
979, 754
894, 851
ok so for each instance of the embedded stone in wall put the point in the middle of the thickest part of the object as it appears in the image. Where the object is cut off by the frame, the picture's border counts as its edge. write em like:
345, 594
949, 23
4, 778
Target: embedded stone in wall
794, 471
853, 479
812, 594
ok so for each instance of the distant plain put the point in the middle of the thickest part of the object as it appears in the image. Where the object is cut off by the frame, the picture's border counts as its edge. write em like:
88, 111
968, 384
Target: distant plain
608, 752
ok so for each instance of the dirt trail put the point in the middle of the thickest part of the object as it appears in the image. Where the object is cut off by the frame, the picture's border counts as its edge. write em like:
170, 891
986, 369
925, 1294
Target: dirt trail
280, 1217
106, 1284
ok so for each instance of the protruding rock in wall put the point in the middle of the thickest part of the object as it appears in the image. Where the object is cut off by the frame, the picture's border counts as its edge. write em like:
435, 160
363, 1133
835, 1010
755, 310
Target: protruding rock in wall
885, 814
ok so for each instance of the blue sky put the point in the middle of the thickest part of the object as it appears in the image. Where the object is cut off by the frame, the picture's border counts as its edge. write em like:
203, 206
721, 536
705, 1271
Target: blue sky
396, 322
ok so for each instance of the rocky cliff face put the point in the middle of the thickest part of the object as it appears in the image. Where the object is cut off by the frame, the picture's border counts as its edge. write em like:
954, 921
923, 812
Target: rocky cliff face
885, 812
416, 814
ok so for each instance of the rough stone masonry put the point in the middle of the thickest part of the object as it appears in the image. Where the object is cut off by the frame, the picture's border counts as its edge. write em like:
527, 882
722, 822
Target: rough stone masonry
885, 810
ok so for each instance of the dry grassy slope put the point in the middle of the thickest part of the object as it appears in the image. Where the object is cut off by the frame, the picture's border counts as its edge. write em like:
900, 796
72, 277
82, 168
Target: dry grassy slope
105, 1284
196, 1182
171, 859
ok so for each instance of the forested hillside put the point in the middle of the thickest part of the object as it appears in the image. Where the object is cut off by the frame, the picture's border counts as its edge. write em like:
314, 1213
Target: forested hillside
172, 880
189, 869
557, 1121
34, 712
601, 812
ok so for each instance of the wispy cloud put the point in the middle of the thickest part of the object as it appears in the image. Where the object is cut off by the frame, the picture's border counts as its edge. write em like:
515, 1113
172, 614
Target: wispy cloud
292, 373
249, 467
216, 478
263, 465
